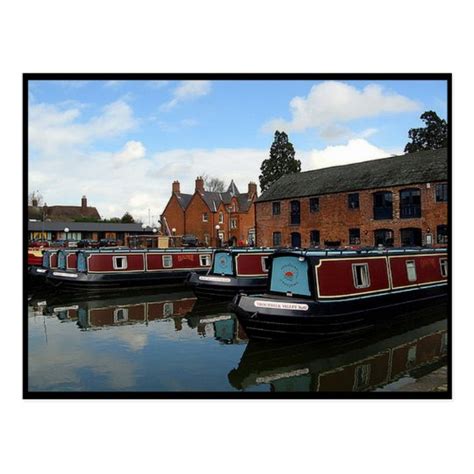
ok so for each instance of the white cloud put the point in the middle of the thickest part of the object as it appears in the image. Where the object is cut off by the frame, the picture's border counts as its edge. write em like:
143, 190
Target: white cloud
355, 151
52, 128
187, 90
133, 150
157, 84
113, 84
334, 102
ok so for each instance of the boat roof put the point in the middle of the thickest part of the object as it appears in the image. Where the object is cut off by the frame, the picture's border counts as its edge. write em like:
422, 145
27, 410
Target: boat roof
108, 250
234, 250
360, 252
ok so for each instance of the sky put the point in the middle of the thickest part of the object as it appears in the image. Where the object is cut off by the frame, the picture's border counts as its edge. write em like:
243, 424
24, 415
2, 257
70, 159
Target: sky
122, 143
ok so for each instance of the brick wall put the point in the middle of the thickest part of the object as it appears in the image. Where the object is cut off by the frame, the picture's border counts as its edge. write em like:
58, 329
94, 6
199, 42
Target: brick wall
174, 215
335, 218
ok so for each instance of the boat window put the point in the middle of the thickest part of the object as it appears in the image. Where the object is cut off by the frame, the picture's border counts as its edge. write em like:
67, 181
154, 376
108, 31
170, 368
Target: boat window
204, 260
167, 261
360, 273
119, 263
168, 309
444, 267
120, 315
361, 376
411, 270
265, 264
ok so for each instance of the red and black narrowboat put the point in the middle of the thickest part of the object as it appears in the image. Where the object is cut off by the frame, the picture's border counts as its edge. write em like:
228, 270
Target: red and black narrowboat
316, 292
232, 270
49, 260
103, 269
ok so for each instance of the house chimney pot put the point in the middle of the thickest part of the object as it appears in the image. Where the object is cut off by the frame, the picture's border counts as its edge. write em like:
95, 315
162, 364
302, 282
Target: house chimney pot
200, 184
176, 188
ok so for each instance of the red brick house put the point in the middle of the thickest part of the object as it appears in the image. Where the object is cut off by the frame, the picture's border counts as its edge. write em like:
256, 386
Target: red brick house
397, 201
200, 213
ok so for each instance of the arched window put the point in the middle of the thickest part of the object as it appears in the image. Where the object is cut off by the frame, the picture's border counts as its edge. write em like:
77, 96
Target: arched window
295, 212
295, 239
383, 207
314, 238
410, 203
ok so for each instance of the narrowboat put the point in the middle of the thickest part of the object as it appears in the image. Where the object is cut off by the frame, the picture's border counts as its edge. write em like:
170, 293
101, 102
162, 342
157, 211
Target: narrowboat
232, 270
35, 257
37, 273
316, 292
381, 357
105, 269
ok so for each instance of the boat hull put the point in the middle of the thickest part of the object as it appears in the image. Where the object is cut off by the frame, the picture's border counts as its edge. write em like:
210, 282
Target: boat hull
70, 280
270, 317
223, 287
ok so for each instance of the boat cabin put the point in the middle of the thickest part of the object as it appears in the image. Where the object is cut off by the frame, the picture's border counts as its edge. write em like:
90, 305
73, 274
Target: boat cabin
334, 274
241, 262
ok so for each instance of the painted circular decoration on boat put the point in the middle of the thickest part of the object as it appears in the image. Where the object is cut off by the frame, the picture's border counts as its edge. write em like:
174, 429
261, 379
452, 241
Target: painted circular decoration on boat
290, 275
223, 261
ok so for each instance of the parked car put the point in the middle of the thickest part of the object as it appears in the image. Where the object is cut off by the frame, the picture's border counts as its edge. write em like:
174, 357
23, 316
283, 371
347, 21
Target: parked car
189, 241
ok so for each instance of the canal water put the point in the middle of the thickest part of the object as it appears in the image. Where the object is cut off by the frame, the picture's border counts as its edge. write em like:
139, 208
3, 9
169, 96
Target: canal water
171, 342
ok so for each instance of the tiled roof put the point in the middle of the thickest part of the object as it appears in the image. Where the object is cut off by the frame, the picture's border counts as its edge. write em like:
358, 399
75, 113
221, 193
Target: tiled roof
62, 213
412, 168
183, 199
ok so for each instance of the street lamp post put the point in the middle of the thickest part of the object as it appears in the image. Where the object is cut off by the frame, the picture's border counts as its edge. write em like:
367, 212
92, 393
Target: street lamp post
217, 235
66, 232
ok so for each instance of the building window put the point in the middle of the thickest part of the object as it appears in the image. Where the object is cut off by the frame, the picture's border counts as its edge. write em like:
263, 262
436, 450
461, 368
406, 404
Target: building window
276, 208
204, 260
233, 223
313, 205
295, 212
360, 273
383, 205
442, 192
354, 236
221, 217
410, 203
276, 239
411, 270
205, 217
383, 237
410, 237
167, 261
119, 263
295, 239
353, 200
442, 234
265, 264
314, 238
443, 263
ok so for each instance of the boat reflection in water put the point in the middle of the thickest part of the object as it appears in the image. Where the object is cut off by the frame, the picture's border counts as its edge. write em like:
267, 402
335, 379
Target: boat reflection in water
114, 310
401, 352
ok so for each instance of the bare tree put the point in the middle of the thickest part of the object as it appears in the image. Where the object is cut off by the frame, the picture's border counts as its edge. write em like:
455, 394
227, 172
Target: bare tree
36, 197
213, 184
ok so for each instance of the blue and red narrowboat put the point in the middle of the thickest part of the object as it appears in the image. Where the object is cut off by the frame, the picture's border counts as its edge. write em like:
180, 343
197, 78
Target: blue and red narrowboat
102, 269
315, 292
232, 270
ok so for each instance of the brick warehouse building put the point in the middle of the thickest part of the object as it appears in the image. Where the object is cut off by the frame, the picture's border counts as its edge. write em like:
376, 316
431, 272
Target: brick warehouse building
397, 201
198, 214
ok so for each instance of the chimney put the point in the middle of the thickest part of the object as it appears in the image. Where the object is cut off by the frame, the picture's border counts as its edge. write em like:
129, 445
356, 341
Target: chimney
200, 184
83, 202
176, 187
34, 202
252, 190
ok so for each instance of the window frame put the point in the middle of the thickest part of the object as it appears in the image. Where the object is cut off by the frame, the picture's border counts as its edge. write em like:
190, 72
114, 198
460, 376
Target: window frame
411, 278
414, 209
295, 215
349, 201
314, 205
163, 257
205, 217
363, 284
443, 265
114, 262
444, 240
221, 217
273, 239
443, 194
358, 238
381, 209
276, 205
312, 240
265, 267
207, 258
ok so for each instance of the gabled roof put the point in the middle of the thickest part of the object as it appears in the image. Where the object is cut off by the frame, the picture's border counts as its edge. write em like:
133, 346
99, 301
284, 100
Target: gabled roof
232, 189
183, 199
411, 168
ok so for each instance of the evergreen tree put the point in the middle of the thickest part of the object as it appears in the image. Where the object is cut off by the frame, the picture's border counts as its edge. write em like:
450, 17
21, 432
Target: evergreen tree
282, 161
127, 218
431, 137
